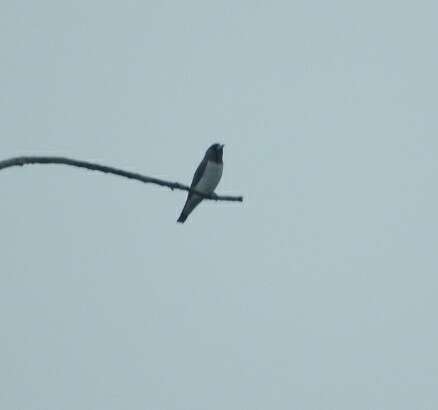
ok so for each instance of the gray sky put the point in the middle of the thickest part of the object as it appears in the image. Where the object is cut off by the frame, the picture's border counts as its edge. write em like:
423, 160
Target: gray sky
318, 292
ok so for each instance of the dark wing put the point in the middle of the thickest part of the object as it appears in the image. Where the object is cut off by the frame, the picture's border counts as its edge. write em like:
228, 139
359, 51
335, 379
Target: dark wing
191, 201
198, 175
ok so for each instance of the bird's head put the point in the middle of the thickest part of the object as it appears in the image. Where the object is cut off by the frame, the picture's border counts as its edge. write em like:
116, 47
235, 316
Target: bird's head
215, 152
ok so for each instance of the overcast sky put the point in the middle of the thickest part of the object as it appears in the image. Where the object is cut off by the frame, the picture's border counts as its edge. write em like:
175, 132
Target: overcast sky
318, 292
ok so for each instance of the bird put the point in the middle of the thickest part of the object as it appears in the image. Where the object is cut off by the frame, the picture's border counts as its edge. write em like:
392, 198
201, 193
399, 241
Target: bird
205, 180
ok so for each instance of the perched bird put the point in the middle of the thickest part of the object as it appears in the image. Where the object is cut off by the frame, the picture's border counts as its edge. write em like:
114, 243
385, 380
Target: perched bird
205, 180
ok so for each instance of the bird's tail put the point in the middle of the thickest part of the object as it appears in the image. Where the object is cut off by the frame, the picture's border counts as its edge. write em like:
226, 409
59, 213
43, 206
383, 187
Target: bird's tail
182, 218
191, 203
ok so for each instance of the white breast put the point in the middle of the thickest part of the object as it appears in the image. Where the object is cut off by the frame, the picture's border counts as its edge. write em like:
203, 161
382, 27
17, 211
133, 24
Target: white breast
210, 179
